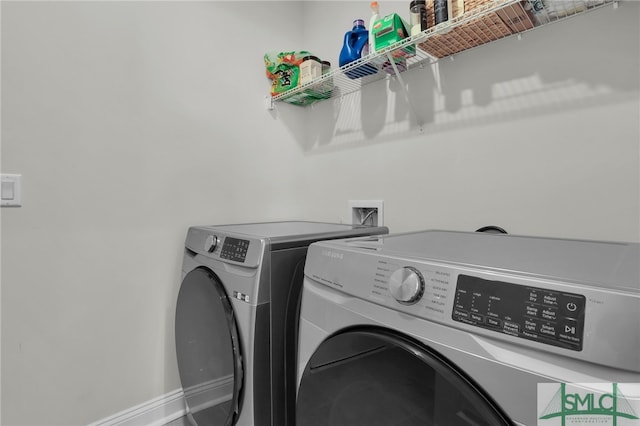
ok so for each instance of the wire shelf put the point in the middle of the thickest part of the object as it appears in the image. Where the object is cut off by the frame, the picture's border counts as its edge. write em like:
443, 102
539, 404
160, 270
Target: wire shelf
483, 21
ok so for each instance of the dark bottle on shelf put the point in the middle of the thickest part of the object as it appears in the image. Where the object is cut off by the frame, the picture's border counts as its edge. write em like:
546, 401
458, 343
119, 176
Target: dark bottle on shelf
441, 11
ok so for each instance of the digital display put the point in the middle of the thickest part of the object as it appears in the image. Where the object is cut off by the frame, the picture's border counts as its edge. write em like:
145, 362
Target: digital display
546, 316
234, 249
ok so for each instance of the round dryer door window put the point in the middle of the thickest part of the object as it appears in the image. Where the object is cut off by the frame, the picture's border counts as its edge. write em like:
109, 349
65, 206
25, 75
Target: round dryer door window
375, 377
208, 350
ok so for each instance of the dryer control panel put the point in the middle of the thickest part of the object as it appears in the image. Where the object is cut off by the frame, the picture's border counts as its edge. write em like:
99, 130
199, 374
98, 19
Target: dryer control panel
542, 315
220, 246
234, 249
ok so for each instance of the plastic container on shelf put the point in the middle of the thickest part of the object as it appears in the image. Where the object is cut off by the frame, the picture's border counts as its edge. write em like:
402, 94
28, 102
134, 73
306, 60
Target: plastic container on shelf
356, 46
375, 15
418, 16
323, 88
310, 69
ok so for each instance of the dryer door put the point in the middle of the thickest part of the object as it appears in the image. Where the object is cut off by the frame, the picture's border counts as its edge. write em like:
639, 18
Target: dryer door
375, 377
208, 350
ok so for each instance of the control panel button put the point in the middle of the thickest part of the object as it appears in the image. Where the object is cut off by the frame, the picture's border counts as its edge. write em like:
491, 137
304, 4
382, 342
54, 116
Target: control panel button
532, 310
462, 314
494, 322
571, 307
549, 314
569, 329
550, 299
548, 329
477, 318
511, 327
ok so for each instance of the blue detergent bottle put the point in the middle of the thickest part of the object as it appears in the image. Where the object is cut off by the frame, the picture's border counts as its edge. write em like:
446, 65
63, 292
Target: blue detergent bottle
356, 46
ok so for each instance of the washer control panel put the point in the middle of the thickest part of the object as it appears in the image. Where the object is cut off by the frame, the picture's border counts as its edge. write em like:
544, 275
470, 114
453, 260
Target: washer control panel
542, 315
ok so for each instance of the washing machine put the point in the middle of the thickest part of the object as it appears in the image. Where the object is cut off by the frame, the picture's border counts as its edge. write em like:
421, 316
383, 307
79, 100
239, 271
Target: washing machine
236, 318
453, 328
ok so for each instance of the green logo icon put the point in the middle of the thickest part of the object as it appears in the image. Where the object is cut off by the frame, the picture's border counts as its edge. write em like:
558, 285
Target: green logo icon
584, 407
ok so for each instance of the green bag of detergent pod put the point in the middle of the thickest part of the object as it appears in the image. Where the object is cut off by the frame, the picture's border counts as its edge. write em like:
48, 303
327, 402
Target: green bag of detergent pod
284, 69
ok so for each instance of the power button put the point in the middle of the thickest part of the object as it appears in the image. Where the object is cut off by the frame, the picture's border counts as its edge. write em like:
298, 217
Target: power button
571, 306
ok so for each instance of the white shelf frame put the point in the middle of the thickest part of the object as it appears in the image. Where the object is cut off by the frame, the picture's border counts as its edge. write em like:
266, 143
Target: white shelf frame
343, 85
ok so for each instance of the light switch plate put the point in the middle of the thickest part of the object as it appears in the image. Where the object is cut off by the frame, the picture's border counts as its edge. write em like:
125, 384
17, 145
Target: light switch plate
11, 190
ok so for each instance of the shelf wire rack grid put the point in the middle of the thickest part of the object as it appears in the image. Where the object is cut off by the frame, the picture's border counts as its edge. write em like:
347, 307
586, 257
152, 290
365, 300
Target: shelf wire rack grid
485, 21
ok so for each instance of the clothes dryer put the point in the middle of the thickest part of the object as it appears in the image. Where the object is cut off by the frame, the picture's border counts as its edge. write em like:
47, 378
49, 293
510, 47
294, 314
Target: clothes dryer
450, 328
236, 315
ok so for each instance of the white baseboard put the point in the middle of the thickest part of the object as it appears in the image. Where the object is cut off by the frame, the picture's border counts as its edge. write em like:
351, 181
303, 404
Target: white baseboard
156, 412
208, 394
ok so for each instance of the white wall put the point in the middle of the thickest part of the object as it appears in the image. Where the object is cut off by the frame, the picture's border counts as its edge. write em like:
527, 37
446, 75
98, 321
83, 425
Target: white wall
131, 121
540, 135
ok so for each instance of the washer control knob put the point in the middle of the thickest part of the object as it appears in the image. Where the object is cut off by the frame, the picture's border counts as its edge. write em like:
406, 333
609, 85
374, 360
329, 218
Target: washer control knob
211, 243
406, 285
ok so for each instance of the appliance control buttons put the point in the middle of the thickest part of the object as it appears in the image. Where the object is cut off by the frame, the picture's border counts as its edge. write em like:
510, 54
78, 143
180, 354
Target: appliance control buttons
406, 285
211, 243
234, 249
545, 316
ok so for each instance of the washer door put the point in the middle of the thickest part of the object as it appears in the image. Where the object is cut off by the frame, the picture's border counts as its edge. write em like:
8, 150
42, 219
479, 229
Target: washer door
208, 350
374, 377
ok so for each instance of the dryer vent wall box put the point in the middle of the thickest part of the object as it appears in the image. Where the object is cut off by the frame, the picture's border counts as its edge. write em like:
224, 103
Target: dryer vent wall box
11, 190
366, 212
